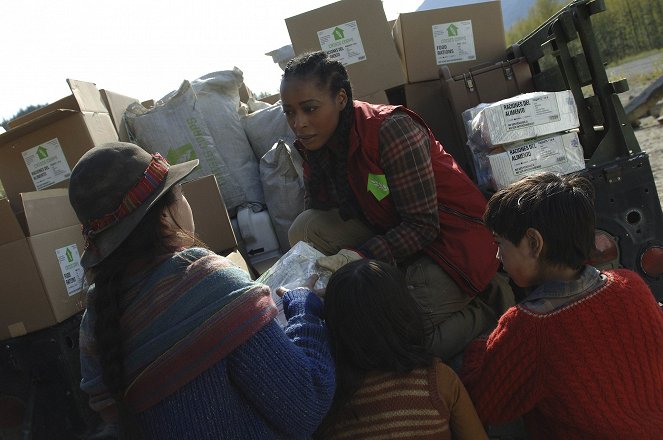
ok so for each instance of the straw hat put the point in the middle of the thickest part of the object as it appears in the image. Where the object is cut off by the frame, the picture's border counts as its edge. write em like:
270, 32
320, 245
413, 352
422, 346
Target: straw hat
112, 187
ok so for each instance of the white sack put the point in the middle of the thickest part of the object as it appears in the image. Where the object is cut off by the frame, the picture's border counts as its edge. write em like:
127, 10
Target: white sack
282, 176
218, 100
266, 127
176, 128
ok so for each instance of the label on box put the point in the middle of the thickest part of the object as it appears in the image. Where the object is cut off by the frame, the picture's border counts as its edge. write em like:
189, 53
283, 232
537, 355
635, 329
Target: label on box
530, 112
70, 266
343, 43
538, 155
454, 42
47, 164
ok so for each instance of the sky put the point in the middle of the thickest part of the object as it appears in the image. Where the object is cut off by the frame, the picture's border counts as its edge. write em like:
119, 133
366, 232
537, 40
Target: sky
142, 48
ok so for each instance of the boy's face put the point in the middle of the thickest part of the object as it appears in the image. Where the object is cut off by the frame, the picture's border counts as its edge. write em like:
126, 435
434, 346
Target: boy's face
520, 260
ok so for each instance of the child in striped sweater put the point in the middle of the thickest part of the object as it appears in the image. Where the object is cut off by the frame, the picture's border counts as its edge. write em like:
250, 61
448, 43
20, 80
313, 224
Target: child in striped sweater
388, 385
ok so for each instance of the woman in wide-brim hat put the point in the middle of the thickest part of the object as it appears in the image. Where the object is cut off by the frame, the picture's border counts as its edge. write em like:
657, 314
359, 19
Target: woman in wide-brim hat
177, 342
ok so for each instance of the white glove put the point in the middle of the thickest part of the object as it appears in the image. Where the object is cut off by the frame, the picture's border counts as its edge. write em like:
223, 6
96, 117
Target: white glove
335, 262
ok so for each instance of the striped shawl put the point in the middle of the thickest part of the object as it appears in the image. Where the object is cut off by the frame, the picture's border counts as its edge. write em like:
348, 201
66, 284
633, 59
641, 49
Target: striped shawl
179, 319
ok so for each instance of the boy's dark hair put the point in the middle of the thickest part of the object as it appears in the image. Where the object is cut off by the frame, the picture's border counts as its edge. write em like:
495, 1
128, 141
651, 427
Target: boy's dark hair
373, 324
331, 75
561, 208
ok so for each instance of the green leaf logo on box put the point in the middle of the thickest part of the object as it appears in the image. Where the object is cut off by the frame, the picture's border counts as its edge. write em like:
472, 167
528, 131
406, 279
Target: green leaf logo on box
452, 30
42, 153
377, 185
181, 154
69, 255
338, 34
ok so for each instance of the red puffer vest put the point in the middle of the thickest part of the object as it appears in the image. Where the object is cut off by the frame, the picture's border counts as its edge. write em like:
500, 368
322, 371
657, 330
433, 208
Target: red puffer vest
464, 248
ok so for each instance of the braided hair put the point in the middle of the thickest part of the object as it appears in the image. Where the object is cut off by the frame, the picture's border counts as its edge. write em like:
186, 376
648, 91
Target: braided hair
331, 75
143, 246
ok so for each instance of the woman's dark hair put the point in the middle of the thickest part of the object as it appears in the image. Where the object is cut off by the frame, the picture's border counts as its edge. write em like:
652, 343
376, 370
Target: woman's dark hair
561, 208
374, 324
330, 75
141, 249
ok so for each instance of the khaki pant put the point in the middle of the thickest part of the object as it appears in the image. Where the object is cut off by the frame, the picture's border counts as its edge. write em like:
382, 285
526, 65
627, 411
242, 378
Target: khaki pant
451, 318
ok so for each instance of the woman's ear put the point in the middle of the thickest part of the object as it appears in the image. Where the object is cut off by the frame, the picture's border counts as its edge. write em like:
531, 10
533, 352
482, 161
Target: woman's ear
341, 99
166, 218
535, 241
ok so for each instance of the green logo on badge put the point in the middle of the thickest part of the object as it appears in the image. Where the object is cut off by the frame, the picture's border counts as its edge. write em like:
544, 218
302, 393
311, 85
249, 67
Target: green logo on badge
181, 154
338, 34
42, 153
452, 30
70, 256
377, 185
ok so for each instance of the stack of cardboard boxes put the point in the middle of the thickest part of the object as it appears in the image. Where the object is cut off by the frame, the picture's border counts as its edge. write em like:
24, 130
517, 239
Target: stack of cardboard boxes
41, 280
525, 134
358, 37
400, 62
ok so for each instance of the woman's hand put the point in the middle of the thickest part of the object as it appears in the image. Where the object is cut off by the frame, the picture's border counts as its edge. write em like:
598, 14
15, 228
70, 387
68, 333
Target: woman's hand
308, 284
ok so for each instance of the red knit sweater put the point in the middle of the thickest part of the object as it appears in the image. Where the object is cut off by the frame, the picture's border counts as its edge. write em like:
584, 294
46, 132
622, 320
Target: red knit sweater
590, 370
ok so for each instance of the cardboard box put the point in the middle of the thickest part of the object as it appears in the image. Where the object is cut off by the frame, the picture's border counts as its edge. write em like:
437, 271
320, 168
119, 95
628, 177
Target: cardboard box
211, 218
458, 37
561, 154
375, 98
42, 147
485, 84
41, 277
116, 104
355, 34
525, 116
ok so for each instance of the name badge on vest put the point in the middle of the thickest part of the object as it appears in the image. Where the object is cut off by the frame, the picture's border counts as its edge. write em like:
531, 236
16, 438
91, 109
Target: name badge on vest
377, 185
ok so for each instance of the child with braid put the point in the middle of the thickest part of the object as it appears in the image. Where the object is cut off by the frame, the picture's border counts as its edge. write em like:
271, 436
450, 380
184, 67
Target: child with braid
581, 356
177, 342
379, 185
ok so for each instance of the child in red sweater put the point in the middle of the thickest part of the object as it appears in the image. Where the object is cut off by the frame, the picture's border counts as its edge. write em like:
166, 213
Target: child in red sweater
581, 356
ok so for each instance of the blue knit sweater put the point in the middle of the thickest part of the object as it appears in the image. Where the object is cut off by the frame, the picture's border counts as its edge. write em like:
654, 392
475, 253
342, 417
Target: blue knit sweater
274, 386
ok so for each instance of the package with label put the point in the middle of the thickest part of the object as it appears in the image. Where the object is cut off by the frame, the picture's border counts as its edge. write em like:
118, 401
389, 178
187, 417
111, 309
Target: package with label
41, 147
292, 270
458, 37
561, 154
355, 34
41, 276
525, 116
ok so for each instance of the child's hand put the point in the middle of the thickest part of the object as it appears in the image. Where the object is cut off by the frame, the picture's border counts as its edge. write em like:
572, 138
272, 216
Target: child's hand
308, 284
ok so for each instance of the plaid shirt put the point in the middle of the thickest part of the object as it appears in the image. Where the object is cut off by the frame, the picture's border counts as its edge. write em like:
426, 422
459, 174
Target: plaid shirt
404, 148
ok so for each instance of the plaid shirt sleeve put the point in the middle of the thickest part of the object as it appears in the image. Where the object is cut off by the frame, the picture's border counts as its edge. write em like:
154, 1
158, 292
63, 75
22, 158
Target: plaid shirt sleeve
405, 158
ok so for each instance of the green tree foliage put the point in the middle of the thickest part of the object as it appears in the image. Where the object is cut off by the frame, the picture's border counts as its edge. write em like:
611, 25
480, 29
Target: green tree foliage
625, 28
538, 13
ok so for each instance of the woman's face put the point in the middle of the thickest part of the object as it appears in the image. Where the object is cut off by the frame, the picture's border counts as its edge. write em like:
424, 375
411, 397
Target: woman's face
312, 112
180, 212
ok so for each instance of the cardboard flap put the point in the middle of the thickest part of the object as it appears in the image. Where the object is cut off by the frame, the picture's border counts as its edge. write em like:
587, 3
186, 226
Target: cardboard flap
210, 214
10, 230
48, 210
34, 124
87, 95
117, 104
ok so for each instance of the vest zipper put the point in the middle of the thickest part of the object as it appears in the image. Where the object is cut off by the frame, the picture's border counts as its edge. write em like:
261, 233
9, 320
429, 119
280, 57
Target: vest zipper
460, 214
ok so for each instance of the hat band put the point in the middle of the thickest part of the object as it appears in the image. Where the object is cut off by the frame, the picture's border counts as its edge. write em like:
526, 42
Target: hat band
152, 178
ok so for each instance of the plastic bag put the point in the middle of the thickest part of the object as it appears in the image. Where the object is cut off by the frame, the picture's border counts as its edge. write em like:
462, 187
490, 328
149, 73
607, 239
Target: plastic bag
292, 270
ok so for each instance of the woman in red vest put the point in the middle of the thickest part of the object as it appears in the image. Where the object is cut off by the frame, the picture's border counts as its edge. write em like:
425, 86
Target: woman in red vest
379, 185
